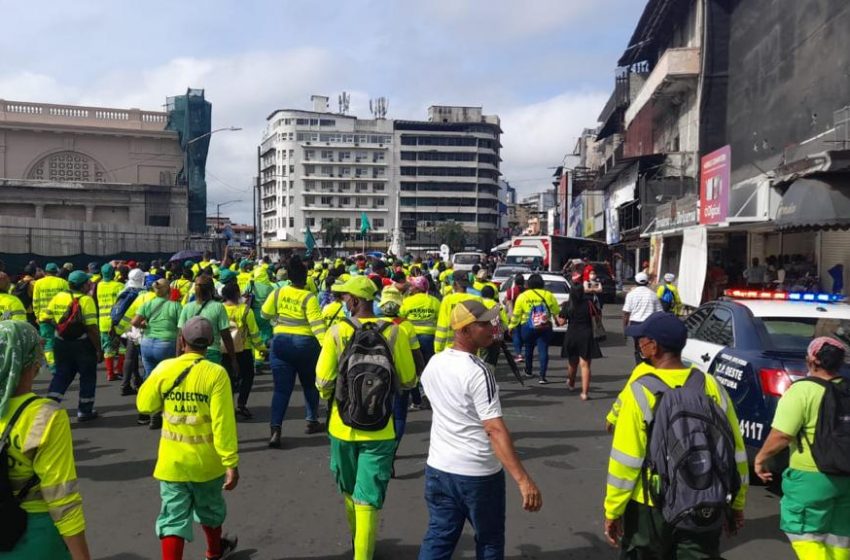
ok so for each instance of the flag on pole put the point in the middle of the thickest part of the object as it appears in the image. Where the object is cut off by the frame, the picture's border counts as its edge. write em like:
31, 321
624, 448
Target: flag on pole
365, 226
309, 241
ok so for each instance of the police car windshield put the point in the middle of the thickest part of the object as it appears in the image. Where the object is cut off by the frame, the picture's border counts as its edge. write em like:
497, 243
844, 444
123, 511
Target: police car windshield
556, 287
793, 334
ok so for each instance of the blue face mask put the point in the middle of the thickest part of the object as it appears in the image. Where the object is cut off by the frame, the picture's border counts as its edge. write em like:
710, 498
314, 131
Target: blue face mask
345, 311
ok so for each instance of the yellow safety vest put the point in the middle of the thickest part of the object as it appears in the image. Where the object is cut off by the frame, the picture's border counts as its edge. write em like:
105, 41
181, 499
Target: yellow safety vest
444, 334
294, 311
422, 311
107, 295
43, 291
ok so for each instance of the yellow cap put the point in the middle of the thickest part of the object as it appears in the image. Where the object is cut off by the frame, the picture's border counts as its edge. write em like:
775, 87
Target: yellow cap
358, 286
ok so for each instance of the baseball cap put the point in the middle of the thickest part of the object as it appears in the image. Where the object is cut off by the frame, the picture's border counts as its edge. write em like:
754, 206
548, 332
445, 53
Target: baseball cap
107, 271
78, 278
358, 286
669, 277
136, 278
198, 332
68, 266
641, 278
472, 311
93, 267
51, 267
664, 328
226, 275
390, 294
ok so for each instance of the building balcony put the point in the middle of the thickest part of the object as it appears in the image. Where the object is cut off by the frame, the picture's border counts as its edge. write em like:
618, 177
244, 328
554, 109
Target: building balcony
676, 71
36, 114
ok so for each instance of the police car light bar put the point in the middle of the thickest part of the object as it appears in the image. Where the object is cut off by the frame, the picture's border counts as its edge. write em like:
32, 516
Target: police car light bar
782, 296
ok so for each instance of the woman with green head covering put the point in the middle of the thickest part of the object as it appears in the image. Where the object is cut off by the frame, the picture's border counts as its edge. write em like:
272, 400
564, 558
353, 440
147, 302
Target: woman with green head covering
36, 434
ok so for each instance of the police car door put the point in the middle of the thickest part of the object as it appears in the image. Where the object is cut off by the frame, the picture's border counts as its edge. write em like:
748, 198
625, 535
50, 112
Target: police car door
710, 330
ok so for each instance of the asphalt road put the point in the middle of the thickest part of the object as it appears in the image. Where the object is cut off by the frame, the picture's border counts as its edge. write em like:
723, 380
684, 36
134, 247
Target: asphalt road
287, 507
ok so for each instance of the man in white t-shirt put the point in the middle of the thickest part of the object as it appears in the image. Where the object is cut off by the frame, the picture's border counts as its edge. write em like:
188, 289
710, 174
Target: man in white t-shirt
641, 302
469, 443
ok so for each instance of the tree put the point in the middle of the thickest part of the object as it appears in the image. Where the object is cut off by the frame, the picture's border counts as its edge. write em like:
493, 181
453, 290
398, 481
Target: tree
452, 234
332, 234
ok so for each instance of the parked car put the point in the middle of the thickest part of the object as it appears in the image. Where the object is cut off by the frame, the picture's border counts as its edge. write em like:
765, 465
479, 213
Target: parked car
463, 262
754, 343
505, 271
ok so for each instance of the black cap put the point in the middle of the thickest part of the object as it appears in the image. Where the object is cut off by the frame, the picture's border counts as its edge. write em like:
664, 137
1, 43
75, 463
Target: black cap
664, 328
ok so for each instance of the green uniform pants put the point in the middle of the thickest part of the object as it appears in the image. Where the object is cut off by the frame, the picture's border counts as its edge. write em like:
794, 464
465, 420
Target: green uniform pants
183, 501
111, 345
362, 469
646, 536
46, 331
815, 514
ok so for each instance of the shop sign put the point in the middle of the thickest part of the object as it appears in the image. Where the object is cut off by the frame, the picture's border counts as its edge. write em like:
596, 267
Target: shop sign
612, 221
576, 211
676, 214
714, 178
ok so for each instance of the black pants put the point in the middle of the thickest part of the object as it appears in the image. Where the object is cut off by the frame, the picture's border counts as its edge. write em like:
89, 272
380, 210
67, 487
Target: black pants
131, 366
244, 382
646, 536
638, 357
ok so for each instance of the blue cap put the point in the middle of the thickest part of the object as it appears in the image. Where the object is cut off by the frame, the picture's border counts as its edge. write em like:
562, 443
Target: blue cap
664, 328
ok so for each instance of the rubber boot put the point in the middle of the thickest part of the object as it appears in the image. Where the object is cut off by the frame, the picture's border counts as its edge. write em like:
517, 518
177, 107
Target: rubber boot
119, 368
110, 368
367, 531
349, 515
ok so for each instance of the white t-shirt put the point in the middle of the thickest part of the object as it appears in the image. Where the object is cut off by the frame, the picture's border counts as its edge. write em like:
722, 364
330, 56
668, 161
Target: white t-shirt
640, 303
463, 393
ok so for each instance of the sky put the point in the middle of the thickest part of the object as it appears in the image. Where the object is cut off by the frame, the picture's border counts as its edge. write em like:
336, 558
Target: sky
546, 67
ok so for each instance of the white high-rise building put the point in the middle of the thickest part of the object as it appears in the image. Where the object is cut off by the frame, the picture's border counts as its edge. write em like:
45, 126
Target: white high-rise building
317, 166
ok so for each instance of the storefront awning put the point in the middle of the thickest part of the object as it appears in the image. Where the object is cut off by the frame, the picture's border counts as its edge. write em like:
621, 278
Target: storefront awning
815, 203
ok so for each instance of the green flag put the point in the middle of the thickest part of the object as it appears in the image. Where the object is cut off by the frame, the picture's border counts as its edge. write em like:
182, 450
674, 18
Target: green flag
309, 241
365, 226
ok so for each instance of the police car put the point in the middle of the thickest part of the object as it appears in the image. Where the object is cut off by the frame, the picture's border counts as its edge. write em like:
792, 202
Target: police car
754, 342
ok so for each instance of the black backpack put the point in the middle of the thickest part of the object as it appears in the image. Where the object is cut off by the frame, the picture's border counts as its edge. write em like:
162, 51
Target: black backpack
831, 445
14, 517
22, 292
72, 325
366, 384
689, 468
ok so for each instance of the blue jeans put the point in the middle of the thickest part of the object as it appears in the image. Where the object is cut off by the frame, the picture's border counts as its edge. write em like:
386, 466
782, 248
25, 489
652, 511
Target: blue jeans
426, 343
154, 351
73, 357
400, 402
294, 355
532, 338
517, 340
452, 499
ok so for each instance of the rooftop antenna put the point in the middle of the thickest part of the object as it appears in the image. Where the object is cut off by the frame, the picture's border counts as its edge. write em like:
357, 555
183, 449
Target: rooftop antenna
378, 107
344, 101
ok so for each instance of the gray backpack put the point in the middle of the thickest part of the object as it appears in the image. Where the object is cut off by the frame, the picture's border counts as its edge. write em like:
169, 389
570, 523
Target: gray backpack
690, 469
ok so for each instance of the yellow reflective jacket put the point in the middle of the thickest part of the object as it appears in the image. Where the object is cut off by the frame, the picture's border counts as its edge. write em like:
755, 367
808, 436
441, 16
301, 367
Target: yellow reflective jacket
676, 308
198, 441
294, 311
527, 300
40, 444
628, 448
107, 295
62, 301
422, 311
327, 370
124, 325
333, 313
11, 308
43, 291
242, 320
444, 335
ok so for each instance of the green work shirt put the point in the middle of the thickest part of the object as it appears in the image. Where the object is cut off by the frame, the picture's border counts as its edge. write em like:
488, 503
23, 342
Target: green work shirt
161, 316
797, 411
214, 311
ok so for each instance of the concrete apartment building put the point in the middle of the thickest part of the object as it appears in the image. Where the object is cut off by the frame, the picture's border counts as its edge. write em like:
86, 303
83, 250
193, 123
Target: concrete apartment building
317, 166
78, 180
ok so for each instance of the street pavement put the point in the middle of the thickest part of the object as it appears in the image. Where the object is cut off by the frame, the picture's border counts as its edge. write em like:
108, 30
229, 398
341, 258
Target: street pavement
286, 505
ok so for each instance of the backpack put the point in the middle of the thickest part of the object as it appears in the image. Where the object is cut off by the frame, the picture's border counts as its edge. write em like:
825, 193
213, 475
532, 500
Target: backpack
667, 299
22, 292
122, 304
689, 469
540, 318
366, 384
239, 334
13, 515
72, 325
831, 445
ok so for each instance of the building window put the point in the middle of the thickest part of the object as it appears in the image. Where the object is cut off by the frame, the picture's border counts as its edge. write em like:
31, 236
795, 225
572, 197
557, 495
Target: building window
308, 200
345, 201
357, 223
344, 186
311, 222
345, 172
327, 122
292, 221
344, 156
327, 154
378, 223
327, 200
378, 187
327, 170
378, 201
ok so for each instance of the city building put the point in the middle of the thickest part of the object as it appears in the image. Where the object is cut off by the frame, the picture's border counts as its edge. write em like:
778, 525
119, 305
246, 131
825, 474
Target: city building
222, 228
98, 181
324, 171
449, 171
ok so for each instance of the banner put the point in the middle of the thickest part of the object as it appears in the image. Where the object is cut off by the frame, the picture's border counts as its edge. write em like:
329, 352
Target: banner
714, 179
692, 265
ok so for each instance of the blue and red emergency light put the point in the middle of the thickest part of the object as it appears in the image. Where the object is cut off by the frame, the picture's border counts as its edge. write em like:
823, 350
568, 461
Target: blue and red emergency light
739, 293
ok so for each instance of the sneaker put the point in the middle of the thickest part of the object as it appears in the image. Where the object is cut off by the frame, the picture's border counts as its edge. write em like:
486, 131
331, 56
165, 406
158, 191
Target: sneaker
274, 440
128, 391
542, 381
87, 416
414, 407
156, 422
425, 404
143, 420
243, 412
314, 428
228, 545
518, 359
